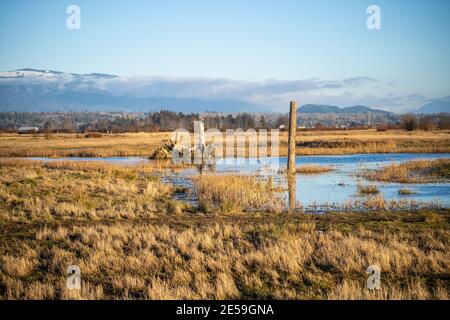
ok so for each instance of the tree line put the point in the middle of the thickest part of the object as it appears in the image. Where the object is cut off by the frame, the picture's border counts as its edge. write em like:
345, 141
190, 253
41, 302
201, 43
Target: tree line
123, 122
108, 122
412, 122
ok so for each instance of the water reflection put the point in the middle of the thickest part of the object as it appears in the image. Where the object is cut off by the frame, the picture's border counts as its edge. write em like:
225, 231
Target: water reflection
292, 191
206, 167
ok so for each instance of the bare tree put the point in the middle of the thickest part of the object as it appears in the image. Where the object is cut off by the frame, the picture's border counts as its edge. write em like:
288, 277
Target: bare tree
444, 121
426, 123
69, 125
48, 127
409, 122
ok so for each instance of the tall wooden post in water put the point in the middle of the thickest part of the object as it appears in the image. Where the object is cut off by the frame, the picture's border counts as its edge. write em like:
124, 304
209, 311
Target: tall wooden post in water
292, 138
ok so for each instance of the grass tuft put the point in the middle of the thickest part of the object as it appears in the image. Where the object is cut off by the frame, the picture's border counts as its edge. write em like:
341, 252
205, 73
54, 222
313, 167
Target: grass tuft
313, 169
237, 192
406, 191
367, 189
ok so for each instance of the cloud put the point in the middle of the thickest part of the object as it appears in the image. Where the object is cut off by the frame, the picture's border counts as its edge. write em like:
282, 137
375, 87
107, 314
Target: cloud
267, 92
271, 93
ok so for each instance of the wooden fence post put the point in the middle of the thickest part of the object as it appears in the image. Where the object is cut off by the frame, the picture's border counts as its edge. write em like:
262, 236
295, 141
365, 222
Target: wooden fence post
292, 138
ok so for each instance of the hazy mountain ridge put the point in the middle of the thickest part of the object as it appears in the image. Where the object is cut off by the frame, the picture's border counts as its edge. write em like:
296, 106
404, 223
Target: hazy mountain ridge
319, 108
439, 106
35, 90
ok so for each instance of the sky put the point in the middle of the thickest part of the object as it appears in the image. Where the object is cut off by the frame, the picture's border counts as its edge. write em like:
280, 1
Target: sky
314, 51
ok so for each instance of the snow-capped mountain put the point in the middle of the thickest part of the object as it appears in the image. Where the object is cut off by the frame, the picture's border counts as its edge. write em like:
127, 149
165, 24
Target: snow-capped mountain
32, 90
50, 75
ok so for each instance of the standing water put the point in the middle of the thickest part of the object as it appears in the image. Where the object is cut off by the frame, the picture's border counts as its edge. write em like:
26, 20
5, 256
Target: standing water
319, 190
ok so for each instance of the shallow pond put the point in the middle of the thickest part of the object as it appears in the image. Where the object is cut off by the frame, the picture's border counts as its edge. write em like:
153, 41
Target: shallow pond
319, 190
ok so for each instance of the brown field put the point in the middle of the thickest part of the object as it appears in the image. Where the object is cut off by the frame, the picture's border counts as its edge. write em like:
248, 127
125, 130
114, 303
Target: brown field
143, 144
132, 240
72, 145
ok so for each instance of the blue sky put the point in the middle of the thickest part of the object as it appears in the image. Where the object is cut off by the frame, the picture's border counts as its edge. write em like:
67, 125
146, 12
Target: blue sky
403, 65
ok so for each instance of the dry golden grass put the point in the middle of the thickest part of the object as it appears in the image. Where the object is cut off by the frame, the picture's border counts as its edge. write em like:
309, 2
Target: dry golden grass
237, 193
367, 189
367, 141
374, 203
419, 171
143, 144
309, 169
406, 191
43, 191
132, 241
416, 290
281, 259
72, 145
87, 166
313, 169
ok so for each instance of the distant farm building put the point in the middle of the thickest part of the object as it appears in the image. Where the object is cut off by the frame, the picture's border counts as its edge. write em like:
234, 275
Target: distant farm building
23, 130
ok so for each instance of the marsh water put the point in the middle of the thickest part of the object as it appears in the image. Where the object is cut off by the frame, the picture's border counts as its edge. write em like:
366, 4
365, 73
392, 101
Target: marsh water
319, 190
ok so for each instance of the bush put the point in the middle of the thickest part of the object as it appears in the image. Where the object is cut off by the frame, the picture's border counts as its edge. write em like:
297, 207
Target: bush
93, 135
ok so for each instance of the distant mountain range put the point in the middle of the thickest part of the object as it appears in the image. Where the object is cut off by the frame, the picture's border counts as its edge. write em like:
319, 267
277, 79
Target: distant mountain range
320, 108
33, 90
438, 106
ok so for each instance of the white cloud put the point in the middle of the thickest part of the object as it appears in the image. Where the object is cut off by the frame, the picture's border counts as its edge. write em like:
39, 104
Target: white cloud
272, 93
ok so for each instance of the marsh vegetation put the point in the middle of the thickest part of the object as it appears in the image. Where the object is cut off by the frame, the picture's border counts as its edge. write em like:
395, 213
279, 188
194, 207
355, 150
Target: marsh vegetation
132, 237
234, 192
406, 191
418, 171
367, 189
313, 169
120, 227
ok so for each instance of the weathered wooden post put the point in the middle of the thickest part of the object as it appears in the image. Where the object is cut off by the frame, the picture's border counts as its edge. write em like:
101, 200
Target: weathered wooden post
292, 138
292, 191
